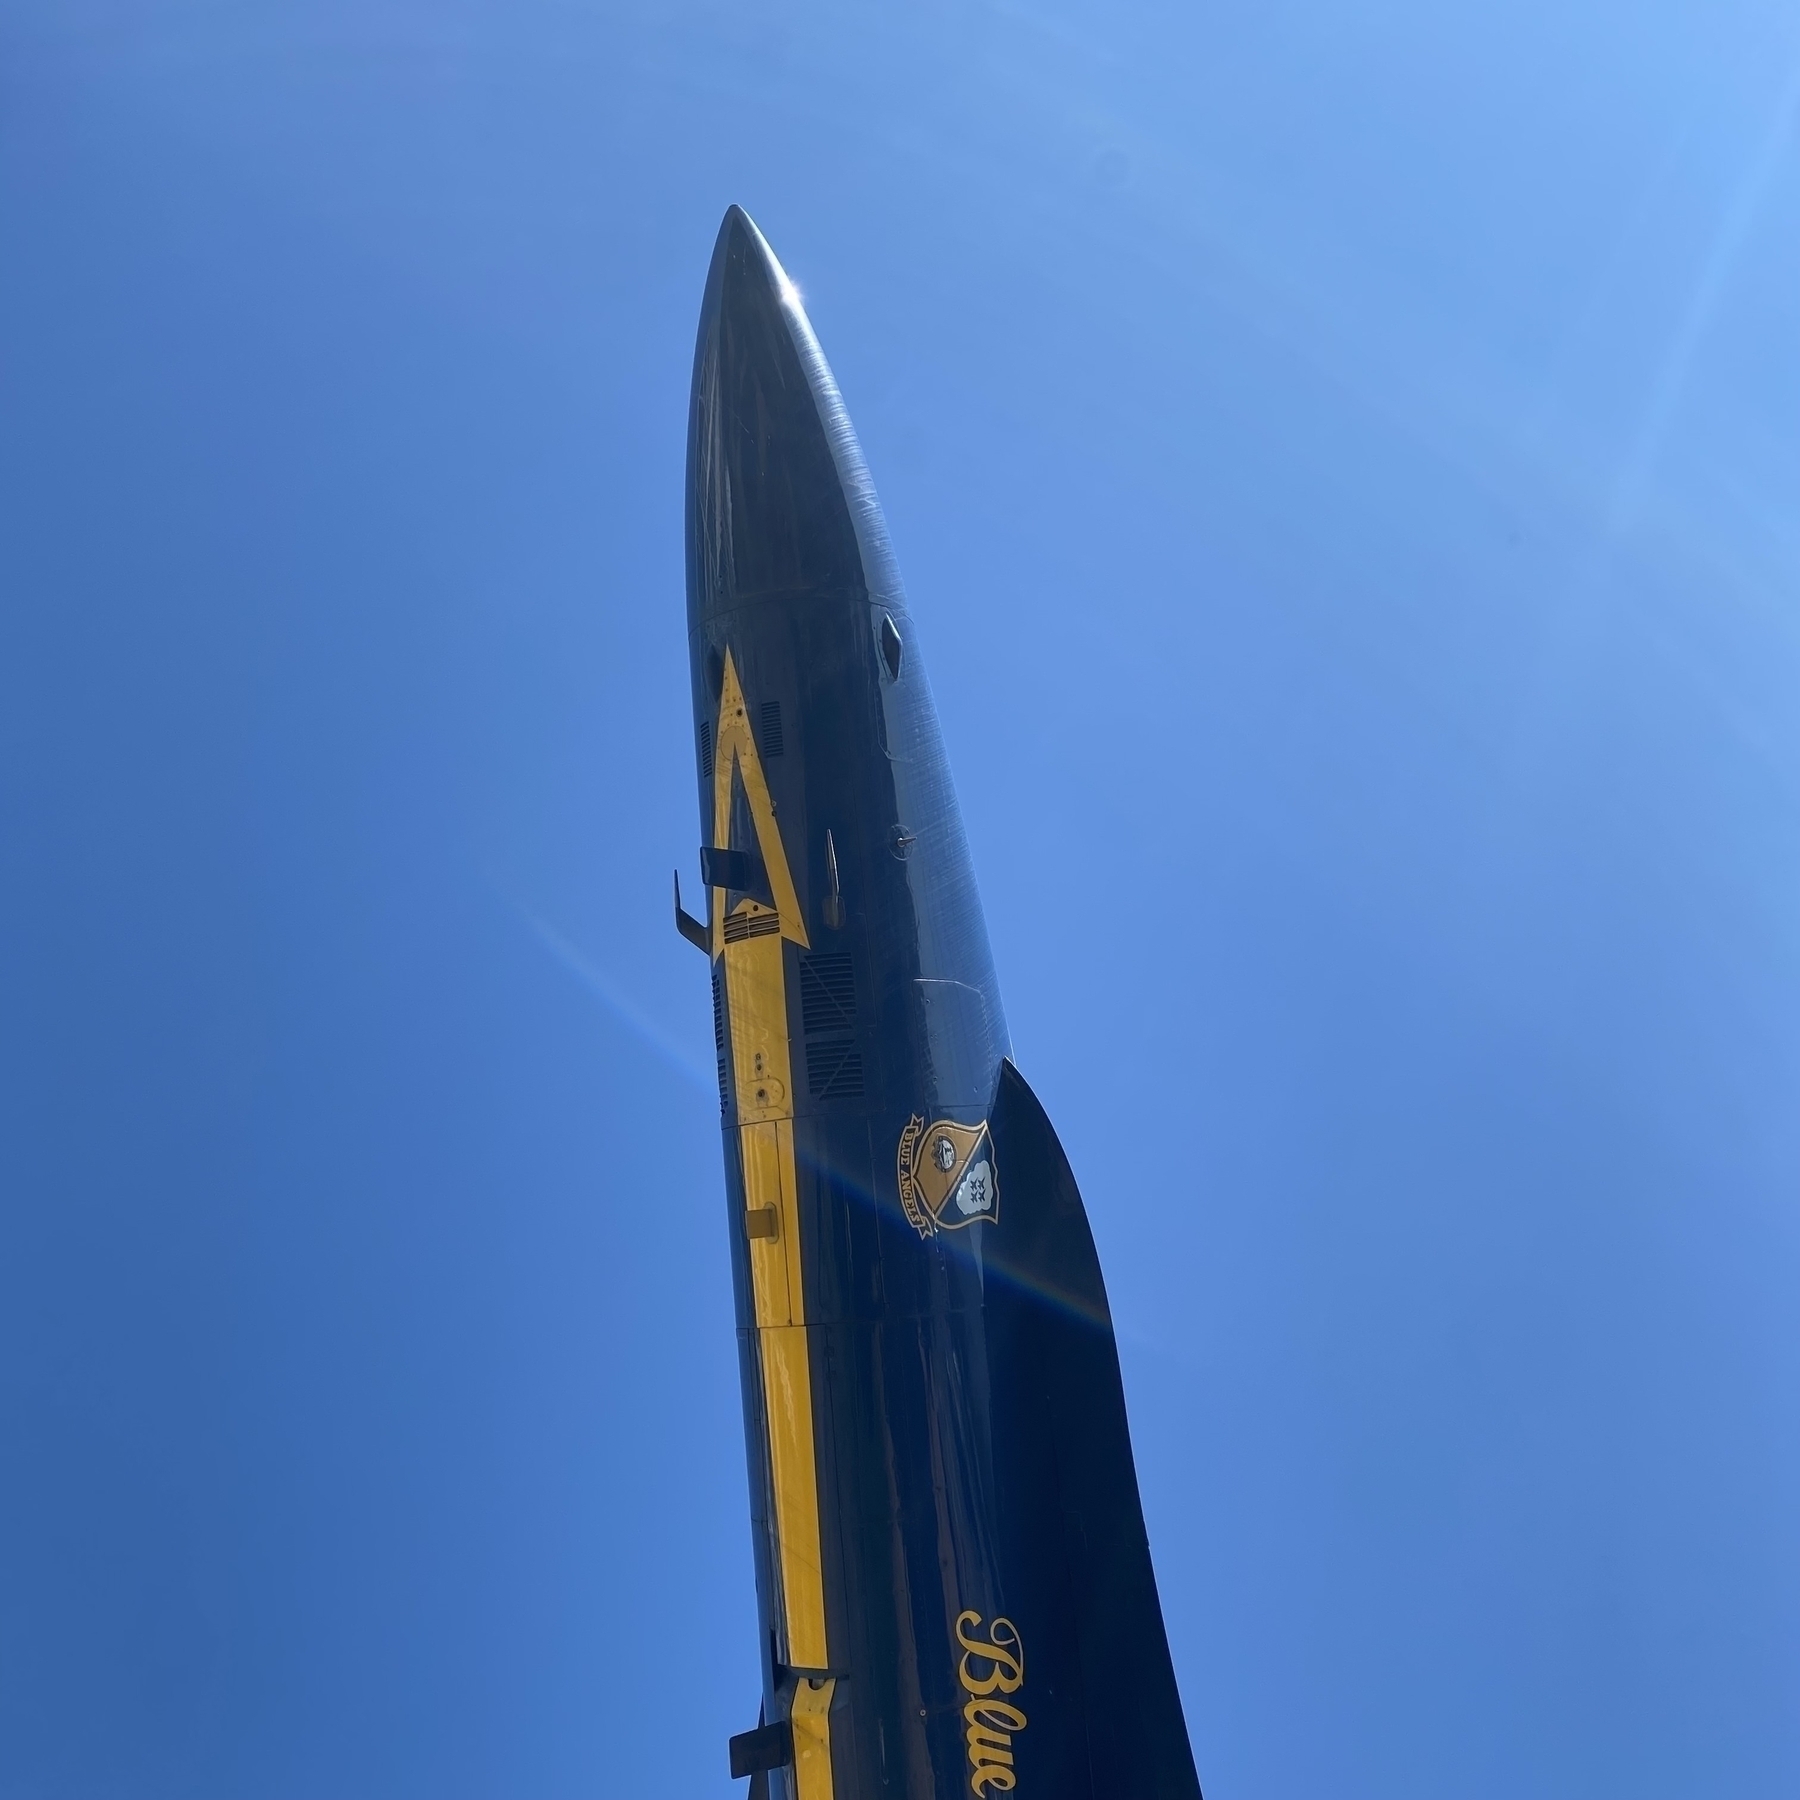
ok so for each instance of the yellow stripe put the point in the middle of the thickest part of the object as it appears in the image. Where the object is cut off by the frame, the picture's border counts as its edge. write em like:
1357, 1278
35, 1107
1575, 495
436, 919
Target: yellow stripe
810, 1717
762, 1066
761, 1148
787, 1393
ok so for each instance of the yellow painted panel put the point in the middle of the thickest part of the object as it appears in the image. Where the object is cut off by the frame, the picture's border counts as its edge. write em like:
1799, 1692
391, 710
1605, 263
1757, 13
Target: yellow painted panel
756, 988
789, 1240
768, 1256
787, 1395
810, 1719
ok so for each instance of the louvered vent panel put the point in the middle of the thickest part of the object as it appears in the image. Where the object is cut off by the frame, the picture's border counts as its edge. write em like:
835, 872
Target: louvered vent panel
739, 926
772, 744
827, 993
724, 1090
834, 1070
706, 749
718, 1015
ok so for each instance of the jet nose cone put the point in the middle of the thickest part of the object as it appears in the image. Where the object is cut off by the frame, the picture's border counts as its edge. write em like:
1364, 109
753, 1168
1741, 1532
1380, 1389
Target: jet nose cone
768, 512
742, 249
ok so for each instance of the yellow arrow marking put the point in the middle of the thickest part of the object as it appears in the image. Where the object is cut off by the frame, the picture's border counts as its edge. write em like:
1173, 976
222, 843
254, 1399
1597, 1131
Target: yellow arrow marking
735, 747
762, 1068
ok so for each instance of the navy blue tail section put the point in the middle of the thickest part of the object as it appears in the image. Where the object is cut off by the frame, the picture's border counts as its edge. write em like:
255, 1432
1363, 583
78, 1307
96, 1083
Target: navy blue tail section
1105, 1720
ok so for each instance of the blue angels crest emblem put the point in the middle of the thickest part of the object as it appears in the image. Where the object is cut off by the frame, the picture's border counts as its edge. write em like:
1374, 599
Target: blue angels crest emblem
947, 1175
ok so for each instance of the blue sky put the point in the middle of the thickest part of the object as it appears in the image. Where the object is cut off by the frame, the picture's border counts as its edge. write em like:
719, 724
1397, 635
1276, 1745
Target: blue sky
1343, 460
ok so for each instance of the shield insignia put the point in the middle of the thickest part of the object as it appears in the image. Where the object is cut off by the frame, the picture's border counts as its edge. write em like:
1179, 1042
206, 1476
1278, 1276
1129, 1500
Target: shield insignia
947, 1175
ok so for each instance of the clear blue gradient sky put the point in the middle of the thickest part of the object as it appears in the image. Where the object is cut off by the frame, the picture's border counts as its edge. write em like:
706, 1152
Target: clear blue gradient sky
1346, 463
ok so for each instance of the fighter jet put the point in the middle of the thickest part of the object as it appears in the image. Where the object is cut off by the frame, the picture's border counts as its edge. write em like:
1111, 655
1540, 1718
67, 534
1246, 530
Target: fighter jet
953, 1582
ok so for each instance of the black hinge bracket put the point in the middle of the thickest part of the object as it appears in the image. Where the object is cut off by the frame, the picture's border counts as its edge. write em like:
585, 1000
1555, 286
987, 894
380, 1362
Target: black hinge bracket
767, 1747
690, 927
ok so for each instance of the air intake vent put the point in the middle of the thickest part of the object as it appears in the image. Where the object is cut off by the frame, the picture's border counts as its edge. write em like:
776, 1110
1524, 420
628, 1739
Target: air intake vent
739, 926
834, 1070
706, 749
718, 1015
724, 1091
827, 993
771, 728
